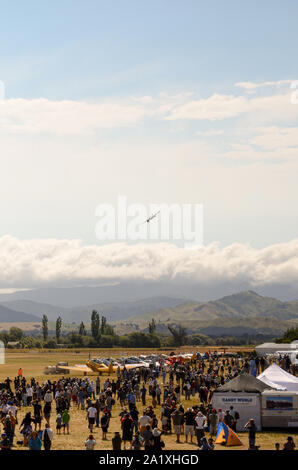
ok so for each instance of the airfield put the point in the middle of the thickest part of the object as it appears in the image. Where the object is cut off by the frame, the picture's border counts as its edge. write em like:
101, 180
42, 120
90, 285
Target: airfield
33, 364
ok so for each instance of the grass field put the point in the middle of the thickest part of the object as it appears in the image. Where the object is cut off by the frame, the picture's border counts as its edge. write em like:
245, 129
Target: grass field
33, 363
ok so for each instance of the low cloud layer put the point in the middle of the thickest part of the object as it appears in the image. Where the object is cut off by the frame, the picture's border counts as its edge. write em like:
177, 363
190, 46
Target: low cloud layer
50, 262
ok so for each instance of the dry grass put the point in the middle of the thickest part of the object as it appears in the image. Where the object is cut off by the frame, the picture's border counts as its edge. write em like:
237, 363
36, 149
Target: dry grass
25, 326
33, 365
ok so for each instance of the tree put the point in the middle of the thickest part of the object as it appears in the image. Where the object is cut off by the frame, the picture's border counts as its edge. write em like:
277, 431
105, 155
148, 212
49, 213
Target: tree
82, 330
103, 325
95, 324
45, 329
58, 328
290, 335
15, 334
152, 327
179, 335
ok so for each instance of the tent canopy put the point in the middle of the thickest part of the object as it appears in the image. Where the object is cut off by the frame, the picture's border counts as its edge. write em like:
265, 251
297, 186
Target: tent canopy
280, 378
244, 383
226, 436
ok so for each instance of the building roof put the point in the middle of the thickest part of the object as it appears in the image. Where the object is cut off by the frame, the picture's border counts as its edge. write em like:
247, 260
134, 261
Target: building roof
244, 383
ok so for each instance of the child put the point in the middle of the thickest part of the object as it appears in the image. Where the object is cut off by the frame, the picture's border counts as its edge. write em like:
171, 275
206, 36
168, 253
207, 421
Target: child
65, 420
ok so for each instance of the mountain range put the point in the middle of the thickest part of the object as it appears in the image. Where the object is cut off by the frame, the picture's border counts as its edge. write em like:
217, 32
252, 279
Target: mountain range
242, 313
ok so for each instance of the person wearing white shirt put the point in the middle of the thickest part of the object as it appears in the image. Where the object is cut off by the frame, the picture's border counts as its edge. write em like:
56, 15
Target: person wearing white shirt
90, 443
91, 415
48, 398
200, 420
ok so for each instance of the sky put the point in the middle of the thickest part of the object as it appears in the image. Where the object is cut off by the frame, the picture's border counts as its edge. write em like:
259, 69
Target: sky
162, 102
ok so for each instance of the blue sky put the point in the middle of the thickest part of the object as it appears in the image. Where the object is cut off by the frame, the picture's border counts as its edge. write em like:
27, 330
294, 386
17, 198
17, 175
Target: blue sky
93, 49
162, 101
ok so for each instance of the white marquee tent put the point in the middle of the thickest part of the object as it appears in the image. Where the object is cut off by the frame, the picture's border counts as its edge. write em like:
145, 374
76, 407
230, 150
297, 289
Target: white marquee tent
279, 378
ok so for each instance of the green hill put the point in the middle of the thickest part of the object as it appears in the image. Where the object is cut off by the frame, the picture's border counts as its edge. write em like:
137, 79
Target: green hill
242, 312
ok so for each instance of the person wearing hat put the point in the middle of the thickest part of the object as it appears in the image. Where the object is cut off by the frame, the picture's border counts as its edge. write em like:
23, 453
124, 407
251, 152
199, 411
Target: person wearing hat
116, 441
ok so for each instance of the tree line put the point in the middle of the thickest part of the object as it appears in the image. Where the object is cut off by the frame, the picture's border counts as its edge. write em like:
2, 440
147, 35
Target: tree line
102, 335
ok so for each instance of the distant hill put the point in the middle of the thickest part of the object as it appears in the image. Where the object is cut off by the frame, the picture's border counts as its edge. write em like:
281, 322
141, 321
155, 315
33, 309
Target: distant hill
234, 313
8, 315
243, 313
114, 311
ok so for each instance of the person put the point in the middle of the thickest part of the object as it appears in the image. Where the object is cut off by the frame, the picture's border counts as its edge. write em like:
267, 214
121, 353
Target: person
5, 443
177, 417
26, 428
91, 415
205, 445
116, 441
137, 441
58, 423
211, 443
189, 418
104, 422
235, 415
144, 420
65, 420
37, 414
127, 429
228, 419
158, 444
90, 442
34, 441
277, 446
220, 415
47, 411
47, 437
200, 420
213, 421
250, 425
148, 438
289, 444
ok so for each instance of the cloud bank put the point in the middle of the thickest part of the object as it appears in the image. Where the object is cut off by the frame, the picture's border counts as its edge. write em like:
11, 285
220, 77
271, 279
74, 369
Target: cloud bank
52, 262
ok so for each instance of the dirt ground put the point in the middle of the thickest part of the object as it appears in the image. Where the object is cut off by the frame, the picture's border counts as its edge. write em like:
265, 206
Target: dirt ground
33, 363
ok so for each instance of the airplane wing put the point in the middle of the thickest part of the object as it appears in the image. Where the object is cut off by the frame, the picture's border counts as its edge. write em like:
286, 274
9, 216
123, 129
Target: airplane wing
77, 368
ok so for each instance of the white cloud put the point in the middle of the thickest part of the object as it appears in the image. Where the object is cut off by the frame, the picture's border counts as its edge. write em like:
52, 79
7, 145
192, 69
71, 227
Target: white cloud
67, 117
252, 86
32, 263
213, 108
274, 137
210, 133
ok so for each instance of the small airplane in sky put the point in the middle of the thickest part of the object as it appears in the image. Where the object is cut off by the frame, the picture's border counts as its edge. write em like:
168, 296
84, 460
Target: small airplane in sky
151, 217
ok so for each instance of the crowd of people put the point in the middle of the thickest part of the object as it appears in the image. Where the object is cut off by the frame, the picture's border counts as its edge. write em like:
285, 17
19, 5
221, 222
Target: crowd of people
154, 403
